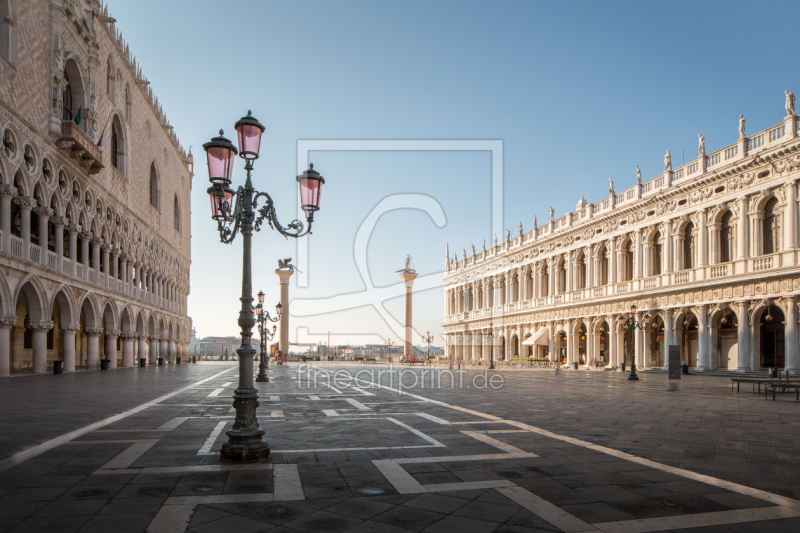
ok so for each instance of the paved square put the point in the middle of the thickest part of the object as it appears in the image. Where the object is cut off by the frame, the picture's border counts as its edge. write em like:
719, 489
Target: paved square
137, 450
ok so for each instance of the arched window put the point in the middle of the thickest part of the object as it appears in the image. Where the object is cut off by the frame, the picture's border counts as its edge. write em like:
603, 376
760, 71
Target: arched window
6, 31
110, 79
688, 246
545, 281
176, 216
72, 97
66, 100
117, 145
628, 261
561, 279
153, 186
580, 283
657, 247
725, 238
771, 227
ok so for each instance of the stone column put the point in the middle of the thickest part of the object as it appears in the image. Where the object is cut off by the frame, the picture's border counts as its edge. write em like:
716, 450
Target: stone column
73, 230
93, 347
114, 268
744, 330
570, 342
702, 338
612, 261
152, 348
283, 325
637, 255
44, 217
25, 203
408, 278
613, 357
96, 244
669, 336
142, 347
69, 346
7, 192
791, 361
162, 349
58, 224
123, 271
741, 230
85, 239
713, 354
127, 349
40, 330
638, 341
111, 347
790, 225
702, 240
106, 248
668, 261
6, 323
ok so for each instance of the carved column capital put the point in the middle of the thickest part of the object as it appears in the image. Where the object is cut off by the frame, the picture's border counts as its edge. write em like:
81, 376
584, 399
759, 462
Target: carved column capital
85, 235
25, 202
106, 248
40, 325
8, 191
8, 321
43, 212
60, 221
70, 328
93, 332
113, 332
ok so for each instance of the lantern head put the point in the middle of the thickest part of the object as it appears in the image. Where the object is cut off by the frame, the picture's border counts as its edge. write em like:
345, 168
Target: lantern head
621, 320
221, 201
248, 133
261, 297
633, 309
310, 188
279, 309
220, 154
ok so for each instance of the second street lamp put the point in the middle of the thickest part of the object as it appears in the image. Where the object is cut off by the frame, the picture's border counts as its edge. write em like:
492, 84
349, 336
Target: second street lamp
239, 212
262, 318
490, 332
631, 324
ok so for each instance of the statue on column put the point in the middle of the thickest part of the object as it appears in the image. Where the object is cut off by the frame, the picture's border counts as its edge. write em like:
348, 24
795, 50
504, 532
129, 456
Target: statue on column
611, 186
742, 122
473, 249
535, 224
465, 253
408, 263
520, 229
667, 161
789, 103
495, 239
551, 213
701, 146
484, 245
508, 235
638, 175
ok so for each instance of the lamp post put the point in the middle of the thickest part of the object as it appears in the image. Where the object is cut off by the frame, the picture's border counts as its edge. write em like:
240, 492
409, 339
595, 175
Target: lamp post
262, 317
246, 439
490, 331
631, 324
429, 339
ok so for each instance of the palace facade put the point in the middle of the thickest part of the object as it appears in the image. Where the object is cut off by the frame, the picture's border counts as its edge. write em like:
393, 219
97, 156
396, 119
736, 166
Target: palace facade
94, 197
708, 250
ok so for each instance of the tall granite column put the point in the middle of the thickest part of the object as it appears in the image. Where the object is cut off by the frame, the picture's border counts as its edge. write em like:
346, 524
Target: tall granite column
408, 277
283, 341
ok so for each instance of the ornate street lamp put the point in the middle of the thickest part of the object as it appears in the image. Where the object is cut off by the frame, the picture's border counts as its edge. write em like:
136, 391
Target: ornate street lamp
262, 317
490, 331
246, 439
631, 324
429, 339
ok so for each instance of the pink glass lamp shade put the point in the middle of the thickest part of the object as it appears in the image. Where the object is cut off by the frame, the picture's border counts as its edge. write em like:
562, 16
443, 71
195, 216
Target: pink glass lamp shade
279, 309
220, 152
261, 297
260, 310
259, 330
310, 188
274, 329
248, 132
221, 201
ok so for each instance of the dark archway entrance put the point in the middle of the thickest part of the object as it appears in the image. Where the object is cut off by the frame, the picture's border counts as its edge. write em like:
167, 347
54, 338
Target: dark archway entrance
772, 338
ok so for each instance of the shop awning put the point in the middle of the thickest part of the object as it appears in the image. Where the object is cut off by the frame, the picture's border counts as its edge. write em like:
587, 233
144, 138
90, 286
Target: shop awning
540, 337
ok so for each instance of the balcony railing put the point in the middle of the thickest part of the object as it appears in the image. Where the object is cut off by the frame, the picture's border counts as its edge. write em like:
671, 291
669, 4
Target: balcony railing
682, 277
16, 246
718, 271
762, 263
652, 282
35, 253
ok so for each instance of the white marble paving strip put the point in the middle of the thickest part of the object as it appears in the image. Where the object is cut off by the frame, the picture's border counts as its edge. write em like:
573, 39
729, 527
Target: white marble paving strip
206, 448
401, 480
48, 445
171, 519
500, 445
215, 392
314, 398
276, 414
133, 452
286, 480
218, 498
546, 510
416, 432
362, 391
504, 431
470, 485
330, 412
358, 405
434, 418
697, 520
227, 384
362, 448
109, 441
448, 458
274, 398
174, 423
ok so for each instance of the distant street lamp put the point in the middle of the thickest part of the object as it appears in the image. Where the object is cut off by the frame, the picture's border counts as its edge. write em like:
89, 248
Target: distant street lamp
490, 332
429, 339
262, 317
631, 324
246, 439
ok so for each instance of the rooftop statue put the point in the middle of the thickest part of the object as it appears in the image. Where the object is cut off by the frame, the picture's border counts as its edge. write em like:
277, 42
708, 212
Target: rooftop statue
611, 186
742, 122
701, 146
638, 175
667, 161
789, 103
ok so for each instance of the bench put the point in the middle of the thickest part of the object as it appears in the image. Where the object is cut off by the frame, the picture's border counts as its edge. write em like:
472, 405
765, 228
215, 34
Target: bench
784, 388
755, 381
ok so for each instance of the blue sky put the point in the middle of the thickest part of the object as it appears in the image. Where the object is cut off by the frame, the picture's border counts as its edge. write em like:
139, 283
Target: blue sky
576, 91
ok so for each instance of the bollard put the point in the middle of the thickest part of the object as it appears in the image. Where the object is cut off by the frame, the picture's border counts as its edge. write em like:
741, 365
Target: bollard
576, 365
104, 364
58, 367
142, 362
160, 361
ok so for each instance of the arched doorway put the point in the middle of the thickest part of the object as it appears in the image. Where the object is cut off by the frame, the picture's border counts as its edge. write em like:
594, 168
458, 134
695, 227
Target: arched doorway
581, 355
561, 347
514, 346
772, 338
727, 342
690, 341
655, 338
603, 353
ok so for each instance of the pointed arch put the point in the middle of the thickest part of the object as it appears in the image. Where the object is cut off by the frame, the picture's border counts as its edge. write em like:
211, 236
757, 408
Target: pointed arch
35, 294
90, 311
154, 186
64, 299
